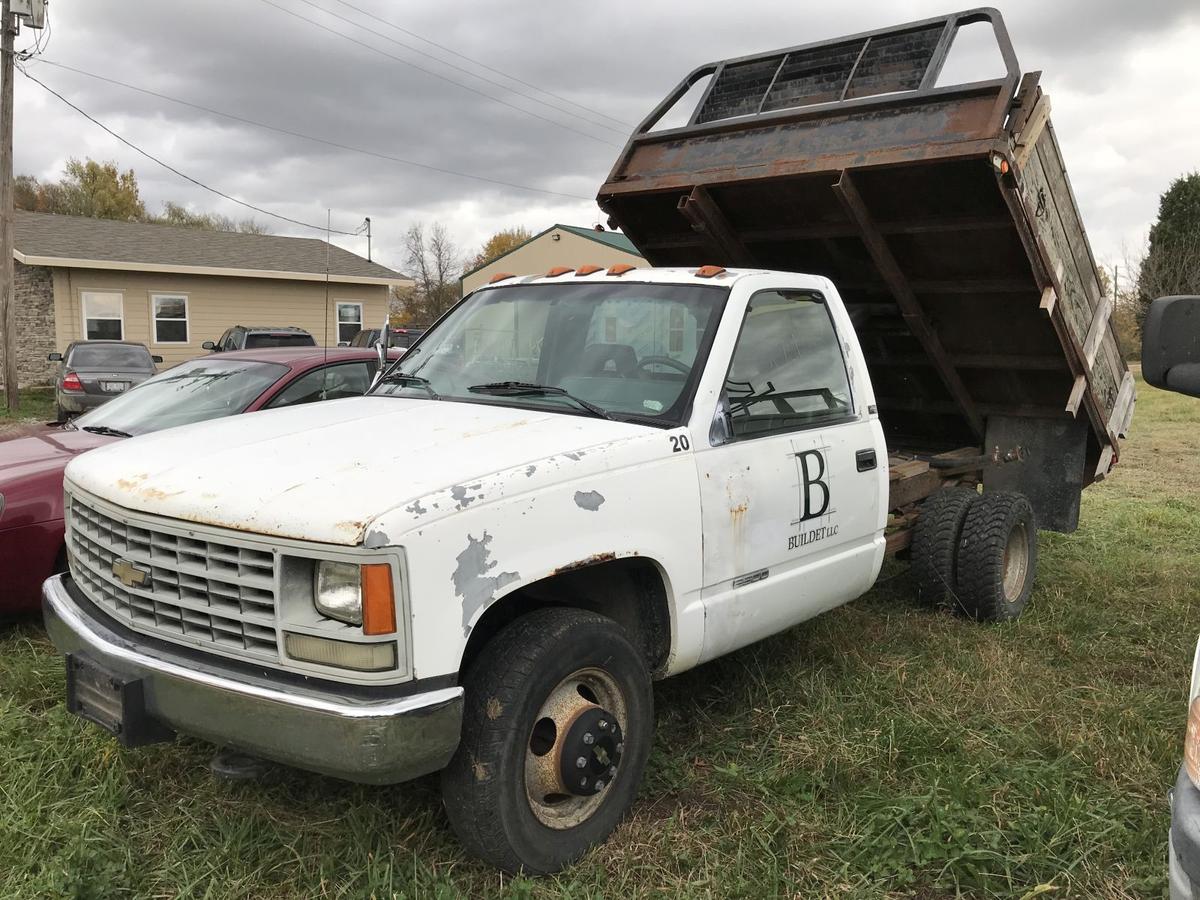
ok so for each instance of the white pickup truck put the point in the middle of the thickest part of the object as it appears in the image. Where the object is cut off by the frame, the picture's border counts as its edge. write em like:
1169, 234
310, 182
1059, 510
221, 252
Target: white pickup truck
579, 481
468, 571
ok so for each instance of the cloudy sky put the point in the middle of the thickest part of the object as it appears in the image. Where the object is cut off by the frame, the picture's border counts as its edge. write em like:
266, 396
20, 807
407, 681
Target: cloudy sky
541, 96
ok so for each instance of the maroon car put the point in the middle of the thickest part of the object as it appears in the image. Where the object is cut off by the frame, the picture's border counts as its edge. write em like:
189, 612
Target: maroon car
211, 387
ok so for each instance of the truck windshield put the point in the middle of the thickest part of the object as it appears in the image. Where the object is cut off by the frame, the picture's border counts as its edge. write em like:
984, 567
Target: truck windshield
195, 391
630, 351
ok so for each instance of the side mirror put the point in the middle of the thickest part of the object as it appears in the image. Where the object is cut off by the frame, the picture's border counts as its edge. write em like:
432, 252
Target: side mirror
343, 343
208, 345
55, 357
1171, 345
156, 359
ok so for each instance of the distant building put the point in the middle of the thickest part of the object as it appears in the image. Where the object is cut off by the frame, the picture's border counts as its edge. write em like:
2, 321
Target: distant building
173, 288
558, 245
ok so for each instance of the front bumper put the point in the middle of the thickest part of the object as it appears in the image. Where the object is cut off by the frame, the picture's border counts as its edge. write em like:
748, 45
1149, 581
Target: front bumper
375, 740
1183, 849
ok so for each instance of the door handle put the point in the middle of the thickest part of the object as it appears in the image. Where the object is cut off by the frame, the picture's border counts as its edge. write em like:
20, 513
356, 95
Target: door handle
865, 459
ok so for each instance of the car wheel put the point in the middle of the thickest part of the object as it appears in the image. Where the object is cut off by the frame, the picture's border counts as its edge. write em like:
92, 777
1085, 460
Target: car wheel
557, 728
997, 557
935, 542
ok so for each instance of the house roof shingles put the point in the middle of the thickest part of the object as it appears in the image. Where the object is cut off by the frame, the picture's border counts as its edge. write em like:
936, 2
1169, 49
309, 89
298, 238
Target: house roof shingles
44, 239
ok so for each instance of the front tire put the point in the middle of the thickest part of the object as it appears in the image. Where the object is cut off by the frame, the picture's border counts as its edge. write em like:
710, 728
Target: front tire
555, 687
997, 557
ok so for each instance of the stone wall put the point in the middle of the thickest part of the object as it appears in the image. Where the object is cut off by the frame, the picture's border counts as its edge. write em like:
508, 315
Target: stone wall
35, 325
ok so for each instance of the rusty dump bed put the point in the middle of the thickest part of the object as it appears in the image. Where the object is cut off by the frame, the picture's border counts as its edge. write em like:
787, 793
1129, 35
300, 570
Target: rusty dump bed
943, 214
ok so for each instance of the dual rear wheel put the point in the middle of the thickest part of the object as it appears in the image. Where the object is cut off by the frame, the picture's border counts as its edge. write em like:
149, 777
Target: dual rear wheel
976, 553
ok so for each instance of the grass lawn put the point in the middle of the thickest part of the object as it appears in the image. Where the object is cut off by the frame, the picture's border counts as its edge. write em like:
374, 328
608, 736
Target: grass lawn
878, 750
37, 405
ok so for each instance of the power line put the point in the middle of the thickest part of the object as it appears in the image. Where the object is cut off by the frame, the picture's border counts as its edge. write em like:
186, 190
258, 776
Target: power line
450, 65
309, 137
401, 60
128, 143
625, 126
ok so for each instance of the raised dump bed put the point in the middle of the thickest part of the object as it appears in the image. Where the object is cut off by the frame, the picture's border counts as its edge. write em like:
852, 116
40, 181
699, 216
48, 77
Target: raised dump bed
943, 214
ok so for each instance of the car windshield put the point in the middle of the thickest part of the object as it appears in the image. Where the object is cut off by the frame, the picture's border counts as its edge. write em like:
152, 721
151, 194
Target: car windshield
267, 339
195, 391
110, 356
628, 351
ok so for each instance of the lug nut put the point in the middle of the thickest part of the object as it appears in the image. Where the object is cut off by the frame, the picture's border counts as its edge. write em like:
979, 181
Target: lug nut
588, 739
599, 785
583, 782
603, 723
581, 763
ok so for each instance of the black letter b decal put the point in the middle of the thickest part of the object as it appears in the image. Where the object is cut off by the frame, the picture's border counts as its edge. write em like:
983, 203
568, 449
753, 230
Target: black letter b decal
813, 481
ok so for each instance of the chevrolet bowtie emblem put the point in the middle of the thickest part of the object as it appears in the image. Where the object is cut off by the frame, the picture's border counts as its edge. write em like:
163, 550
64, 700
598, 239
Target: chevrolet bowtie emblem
129, 574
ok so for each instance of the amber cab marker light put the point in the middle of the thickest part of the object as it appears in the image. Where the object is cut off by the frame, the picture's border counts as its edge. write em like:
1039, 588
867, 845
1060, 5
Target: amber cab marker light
499, 276
378, 599
709, 271
620, 269
587, 270
559, 270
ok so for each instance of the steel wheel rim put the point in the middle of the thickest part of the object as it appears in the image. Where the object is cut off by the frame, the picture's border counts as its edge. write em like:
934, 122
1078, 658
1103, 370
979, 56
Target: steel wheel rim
1016, 562
581, 691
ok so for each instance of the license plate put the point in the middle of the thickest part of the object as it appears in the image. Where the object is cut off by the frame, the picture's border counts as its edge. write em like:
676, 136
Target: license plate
113, 387
112, 701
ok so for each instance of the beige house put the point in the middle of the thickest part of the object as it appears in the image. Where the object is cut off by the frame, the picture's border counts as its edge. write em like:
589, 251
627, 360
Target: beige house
559, 245
174, 288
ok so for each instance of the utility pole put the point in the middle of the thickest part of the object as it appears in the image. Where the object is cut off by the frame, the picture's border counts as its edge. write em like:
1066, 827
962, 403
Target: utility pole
8, 300
368, 238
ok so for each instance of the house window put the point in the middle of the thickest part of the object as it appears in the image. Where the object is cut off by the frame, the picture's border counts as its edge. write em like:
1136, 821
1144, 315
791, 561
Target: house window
349, 321
170, 318
103, 316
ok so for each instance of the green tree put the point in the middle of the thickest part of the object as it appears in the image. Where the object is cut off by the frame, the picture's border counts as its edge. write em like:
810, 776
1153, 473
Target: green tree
178, 214
92, 189
98, 190
1172, 261
500, 243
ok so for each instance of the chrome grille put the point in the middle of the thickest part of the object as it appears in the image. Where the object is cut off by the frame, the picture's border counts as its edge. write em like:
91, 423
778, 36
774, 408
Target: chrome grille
200, 591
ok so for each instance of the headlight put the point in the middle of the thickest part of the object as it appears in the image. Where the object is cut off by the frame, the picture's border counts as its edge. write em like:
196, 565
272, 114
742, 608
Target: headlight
357, 595
338, 591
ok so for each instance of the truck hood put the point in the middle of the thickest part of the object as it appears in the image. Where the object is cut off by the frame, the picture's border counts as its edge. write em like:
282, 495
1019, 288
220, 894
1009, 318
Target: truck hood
325, 471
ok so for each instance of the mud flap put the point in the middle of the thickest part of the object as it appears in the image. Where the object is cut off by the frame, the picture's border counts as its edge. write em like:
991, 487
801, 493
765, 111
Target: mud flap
1051, 475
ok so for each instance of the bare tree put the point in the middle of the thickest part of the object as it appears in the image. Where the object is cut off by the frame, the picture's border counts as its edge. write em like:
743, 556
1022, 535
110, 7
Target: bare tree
434, 263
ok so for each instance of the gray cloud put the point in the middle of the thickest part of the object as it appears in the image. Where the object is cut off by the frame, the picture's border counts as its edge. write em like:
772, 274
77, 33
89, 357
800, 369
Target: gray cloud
1118, 73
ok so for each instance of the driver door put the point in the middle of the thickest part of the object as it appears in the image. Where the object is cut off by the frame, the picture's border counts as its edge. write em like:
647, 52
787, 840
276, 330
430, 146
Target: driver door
791, 492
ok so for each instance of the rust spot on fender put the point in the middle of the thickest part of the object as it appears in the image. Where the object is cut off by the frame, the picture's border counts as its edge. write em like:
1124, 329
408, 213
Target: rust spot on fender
155, 494
584, 563
351, 526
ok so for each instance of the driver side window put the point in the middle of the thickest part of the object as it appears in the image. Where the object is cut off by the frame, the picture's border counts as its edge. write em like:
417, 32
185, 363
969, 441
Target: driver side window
328, 383
787, 370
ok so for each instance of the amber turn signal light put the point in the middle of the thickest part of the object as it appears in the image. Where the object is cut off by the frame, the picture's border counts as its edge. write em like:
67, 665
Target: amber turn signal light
378, 599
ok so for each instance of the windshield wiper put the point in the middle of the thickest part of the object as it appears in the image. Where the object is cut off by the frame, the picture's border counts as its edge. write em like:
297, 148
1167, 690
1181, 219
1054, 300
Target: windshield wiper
105, 430
420, 382
525, 388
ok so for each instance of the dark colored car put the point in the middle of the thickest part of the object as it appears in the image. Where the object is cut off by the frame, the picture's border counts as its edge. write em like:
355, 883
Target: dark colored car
90, 373
260, 337
401, 337
32, 463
